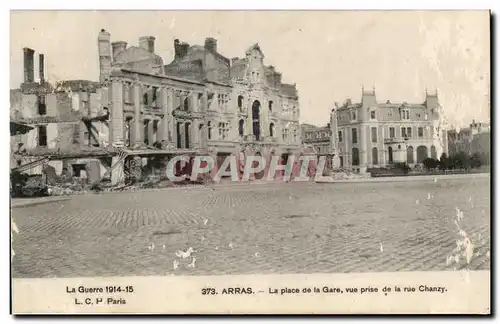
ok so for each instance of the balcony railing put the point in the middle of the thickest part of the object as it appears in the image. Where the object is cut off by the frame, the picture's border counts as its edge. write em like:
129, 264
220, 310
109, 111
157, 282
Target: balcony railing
393, 140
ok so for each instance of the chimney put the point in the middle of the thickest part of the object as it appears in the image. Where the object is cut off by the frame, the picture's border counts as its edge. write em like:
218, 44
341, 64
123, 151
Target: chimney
118, 47
211, 44
105, 60
177, 49
184, 49
148, 43
41, 68
29, 65
180, 49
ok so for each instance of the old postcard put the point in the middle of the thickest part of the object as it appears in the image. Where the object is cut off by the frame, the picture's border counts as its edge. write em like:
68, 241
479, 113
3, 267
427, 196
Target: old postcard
250, 162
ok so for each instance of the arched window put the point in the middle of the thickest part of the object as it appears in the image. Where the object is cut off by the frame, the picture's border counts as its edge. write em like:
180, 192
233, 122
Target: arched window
270, 105
409, 155
240, 102
241, 127
422, 153
271, 129
256, 119
374, 156
433, 152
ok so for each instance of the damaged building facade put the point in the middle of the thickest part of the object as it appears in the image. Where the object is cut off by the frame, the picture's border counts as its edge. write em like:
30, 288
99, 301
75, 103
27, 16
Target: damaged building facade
199, 103
62, 130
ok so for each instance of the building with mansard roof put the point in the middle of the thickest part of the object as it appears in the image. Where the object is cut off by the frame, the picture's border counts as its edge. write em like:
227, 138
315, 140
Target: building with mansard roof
373, 134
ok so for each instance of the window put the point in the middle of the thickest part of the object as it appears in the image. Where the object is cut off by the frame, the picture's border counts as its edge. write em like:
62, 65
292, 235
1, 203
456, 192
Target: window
270, 105
77, 170
403, 132
128, 127
179, 135
42, 106
392, 132
340, 136
374, 156
420, 132
223, 130
355, 156
240, 102
186, 104
354, 133
374, 134
146, 131
353, 115
271, 129
372, 114
209, 125
154, 96
405, 114
187, 131
241, 127
155, 130
42, 135
285, 134
408, 132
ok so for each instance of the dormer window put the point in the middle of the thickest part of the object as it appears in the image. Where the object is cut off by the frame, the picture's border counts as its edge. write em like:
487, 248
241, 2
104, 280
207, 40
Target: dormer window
405, 114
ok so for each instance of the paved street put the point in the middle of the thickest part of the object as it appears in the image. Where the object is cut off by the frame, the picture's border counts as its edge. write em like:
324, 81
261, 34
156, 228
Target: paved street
277, 228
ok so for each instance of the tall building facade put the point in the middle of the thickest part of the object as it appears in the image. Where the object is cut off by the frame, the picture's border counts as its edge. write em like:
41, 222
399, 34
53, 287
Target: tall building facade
199, 103
373, 134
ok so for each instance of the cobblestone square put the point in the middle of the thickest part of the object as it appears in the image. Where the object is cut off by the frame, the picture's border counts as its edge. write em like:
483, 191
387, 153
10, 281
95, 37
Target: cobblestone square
257, 229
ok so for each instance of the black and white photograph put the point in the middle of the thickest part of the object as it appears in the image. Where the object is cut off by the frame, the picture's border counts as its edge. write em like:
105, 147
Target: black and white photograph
213, 143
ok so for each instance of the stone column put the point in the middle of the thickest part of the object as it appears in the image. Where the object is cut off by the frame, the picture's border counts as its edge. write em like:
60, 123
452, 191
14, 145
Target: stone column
334, 141
195, 138
172, 129
137, 127
116, 130
164, 123
193, 101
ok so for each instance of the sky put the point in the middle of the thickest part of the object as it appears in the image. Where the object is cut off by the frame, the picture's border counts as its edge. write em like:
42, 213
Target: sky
330, 55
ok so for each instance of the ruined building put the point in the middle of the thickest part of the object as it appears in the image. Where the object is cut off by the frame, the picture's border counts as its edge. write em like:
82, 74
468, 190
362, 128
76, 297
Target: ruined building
199, 103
